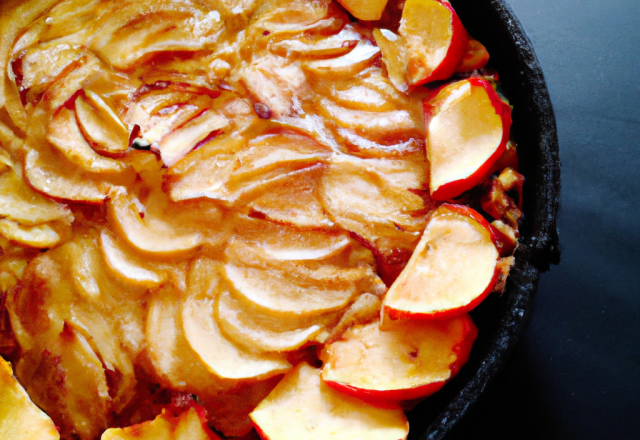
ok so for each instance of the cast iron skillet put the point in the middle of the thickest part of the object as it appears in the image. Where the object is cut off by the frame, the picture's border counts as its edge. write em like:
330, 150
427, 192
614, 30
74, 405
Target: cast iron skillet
501, 319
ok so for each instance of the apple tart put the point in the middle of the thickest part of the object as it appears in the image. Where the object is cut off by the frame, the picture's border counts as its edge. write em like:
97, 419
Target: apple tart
225, 218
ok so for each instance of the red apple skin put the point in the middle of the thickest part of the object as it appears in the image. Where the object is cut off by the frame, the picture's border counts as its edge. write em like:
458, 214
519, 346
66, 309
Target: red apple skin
456, 50
452, 313
408, 398
457, 187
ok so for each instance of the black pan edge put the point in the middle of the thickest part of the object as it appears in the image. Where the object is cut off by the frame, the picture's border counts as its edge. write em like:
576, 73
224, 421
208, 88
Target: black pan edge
502, 319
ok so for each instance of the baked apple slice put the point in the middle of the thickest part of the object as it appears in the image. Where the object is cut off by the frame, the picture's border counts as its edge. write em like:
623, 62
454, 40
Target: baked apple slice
303, 406
258, 331
20, 418
126, 265
435, 39
409, 360
101, 126
467, 131
162, 239
221, 356
365, 9
475, 57
177, 144
65, 135
451, 271
190, 425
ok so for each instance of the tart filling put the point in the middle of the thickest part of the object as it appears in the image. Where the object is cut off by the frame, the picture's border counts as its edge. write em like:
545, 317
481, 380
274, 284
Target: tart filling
241, 214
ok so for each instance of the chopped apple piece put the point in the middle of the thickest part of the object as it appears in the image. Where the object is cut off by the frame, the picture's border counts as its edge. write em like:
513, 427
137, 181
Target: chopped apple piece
187, 426
224, 358
407, 361
177, 144
365, 9
303, 406
101, 126
467, 131
436, 40
265, 333
451, 271
65, 135
126, 264
124, 215
20, 418
475, 57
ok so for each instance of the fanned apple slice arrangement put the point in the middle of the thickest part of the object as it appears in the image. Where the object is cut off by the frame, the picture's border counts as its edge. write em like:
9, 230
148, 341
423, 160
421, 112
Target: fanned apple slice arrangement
236, 219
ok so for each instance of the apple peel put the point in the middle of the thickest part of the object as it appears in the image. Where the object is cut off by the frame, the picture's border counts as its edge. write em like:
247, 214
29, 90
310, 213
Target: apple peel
453, 268
408, 361
468, 129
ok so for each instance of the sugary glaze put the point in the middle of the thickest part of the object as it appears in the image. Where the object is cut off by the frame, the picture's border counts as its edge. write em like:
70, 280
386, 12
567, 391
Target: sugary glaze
197, 195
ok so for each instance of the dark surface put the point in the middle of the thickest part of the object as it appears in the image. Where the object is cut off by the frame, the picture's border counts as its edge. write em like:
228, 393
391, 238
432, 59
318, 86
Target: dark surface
576, 372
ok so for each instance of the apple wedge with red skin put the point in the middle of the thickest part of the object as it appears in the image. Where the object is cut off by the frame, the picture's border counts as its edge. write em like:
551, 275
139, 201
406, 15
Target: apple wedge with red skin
407, 361
451, 271
468, 129
436, 40
302, 406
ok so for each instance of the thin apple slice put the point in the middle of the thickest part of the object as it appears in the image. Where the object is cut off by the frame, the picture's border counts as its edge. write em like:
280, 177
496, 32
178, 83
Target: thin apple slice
284, 242
126, 265
365, 9
65, 135
303, 406
371, 198
20, 418
335, 45
101, 126
124, 216
54, 176
20, 203
379, 124
436, 40
260, 332
38, 236
294, 200
174, 361
467, 131
362, 56
189, 425
394, 55
273, 291
407, 361
451, 271
221, 356
177, 144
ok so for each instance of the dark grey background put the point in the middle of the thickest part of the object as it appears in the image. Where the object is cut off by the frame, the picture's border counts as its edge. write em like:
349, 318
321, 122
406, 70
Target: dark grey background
576, 372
